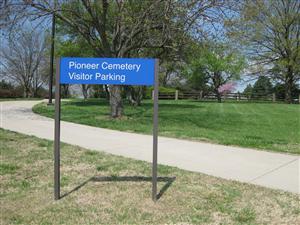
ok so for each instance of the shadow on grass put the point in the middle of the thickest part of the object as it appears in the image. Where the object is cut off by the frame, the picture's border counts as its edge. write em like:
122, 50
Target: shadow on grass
146, 105
172, 105
168, 182
93, 102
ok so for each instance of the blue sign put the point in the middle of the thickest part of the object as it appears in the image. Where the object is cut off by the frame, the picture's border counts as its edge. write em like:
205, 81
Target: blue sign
120, 71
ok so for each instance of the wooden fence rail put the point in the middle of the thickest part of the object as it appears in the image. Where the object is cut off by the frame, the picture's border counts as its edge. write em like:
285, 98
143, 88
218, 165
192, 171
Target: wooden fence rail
177, 95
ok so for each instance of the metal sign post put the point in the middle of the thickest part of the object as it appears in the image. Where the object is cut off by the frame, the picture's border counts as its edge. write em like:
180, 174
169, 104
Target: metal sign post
105, 71
155, 132
57, 133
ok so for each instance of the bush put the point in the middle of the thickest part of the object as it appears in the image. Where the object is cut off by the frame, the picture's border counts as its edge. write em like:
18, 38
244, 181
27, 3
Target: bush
160, 89
43, 93
5, 85
11, 93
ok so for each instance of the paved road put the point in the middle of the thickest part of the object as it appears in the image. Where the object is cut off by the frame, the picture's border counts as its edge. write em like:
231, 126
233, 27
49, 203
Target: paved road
274, 170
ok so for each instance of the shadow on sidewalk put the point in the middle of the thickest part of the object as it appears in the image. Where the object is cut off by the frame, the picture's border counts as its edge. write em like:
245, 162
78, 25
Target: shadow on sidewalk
168, 182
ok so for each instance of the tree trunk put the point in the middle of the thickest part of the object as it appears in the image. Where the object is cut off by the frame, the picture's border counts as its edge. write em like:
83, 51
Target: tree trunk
115, 100
65, 90
135, 95
218, 96
35, 93
85, 88
139, 96
217, 83
289, 87
106, 91
129, 95
36, 90
288, 94
26, 93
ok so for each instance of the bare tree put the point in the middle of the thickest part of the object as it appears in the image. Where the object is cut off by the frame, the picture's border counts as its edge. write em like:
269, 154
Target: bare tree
23, 59
10, 13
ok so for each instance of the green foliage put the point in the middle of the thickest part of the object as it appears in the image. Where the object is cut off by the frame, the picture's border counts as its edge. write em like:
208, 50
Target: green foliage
160, 89
4, 85
99, 91
76, 47
219, 59
7, 90
248, 90
262, 87
280, 90
213, 65
69, 43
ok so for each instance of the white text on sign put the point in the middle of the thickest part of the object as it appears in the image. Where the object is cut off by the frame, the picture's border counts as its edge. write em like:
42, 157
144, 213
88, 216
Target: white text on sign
105, 66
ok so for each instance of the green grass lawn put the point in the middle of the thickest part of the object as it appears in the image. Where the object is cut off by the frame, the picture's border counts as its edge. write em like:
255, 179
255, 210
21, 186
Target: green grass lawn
274, 127
100, 188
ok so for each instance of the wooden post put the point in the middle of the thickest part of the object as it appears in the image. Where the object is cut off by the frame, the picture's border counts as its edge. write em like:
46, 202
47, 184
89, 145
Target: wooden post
274, 97
176, 95
152, 94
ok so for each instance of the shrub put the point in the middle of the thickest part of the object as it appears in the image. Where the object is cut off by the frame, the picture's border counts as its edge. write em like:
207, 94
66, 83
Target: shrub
161, 89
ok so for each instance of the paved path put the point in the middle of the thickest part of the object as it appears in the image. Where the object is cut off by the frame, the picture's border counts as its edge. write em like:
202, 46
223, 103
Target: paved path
278, 171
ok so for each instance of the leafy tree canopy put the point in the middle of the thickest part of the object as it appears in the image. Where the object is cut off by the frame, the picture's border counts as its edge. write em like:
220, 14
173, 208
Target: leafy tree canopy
214, 64
262, 87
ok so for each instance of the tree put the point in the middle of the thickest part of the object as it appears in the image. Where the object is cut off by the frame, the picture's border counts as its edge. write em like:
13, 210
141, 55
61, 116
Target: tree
270, 32
8, 90
279, 90
248, 90
227, 88
85, 90
216, 65
262, 88
23, 61
4, 85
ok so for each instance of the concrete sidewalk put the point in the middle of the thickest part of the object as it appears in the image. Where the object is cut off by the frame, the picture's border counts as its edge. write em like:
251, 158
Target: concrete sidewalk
274, 170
